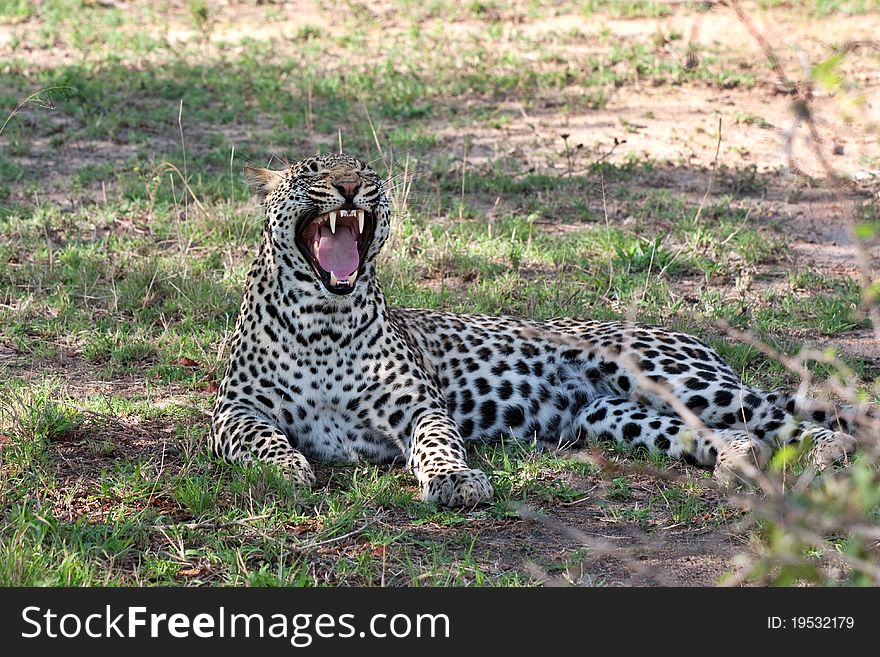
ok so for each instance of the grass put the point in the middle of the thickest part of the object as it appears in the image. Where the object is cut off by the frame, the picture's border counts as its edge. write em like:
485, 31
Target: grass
824, 8
627, 8
119, 286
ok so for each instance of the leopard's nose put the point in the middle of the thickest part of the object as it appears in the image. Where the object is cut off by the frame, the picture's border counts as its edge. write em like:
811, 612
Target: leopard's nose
349, 189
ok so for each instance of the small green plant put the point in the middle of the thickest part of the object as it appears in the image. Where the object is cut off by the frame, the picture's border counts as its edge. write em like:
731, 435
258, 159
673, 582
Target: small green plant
619, 489
36, 414
749, 118
197, 493
627, 8
16, 10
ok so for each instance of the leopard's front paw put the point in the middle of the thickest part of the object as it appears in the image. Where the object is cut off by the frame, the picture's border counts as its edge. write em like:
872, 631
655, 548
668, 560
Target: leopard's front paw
830, 447
298, 470
741, 461
464, 488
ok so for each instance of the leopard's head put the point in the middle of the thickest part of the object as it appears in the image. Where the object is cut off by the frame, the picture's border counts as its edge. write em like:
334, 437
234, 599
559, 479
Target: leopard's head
327, 217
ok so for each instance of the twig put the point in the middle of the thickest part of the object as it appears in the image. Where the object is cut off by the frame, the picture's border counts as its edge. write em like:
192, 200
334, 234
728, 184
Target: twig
36, 97
335, 539
803, 111
711, 177
607, 230
166, 167
207, 524
580, 500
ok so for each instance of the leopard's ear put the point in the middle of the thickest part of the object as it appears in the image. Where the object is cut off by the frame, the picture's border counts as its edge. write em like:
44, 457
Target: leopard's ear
262, 181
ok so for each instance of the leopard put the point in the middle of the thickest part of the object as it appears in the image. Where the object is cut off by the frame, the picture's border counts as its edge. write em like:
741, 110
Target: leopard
321, 368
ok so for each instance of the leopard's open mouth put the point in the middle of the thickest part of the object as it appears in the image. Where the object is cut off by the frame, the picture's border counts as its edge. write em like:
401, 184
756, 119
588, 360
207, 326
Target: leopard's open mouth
335, 244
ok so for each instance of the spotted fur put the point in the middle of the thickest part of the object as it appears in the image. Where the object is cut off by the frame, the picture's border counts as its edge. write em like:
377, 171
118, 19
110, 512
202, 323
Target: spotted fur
338, 375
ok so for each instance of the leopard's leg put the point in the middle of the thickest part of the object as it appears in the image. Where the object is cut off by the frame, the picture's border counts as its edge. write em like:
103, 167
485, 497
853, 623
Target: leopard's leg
826, 414
856, 420
723, 405
238, 436
437, 457
761, 417
734, 454
826, 445
766, 416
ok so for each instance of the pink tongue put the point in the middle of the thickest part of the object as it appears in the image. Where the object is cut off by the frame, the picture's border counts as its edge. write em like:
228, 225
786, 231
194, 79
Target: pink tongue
338, 253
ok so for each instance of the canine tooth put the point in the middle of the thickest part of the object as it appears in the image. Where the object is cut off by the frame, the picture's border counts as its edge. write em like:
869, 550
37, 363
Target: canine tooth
333, 222
333, 280
316, 247
352, 278
360, 214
